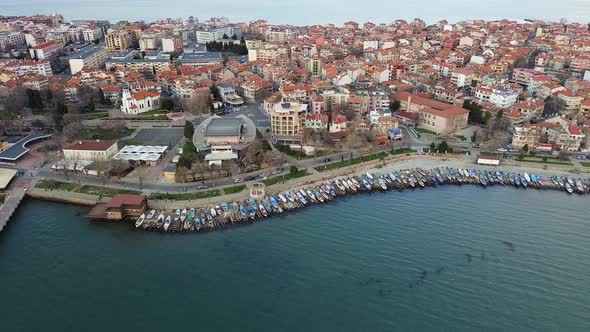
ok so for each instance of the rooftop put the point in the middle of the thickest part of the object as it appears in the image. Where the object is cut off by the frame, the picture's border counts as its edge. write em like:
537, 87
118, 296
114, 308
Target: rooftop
90, 145
6, 176
224, 127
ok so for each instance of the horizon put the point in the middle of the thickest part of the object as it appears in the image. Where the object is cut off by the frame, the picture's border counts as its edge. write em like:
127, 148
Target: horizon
308, 12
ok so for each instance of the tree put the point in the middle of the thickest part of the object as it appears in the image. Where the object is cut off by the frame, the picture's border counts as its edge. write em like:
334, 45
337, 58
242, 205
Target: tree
443, 147
48, 95
525, 148
553, 105
167, 104
475, 111
35, 100
225, 36
499, 115
395, 106
189, 130
432, 147
91, 106
474, 137
234, 37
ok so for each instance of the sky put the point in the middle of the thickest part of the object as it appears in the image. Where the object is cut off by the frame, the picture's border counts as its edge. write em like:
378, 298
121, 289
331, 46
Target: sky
303, 12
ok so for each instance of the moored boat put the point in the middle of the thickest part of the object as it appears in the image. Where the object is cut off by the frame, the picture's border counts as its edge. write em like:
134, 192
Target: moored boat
167, 223
140, 221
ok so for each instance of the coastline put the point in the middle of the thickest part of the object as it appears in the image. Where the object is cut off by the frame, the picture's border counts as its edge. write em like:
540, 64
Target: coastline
389, 164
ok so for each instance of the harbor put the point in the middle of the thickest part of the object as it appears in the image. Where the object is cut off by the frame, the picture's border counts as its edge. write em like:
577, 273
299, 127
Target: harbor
225, 214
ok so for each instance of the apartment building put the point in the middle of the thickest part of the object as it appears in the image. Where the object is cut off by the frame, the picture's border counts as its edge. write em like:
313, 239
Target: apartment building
462, 77
92, 56
25, 67
118, 40
207, 36
152, 62
528, 135
288, 121
9, 40
503, 97
49, 50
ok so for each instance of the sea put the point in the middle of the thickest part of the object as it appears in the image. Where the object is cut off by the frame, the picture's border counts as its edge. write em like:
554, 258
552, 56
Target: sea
437, 259
305, 12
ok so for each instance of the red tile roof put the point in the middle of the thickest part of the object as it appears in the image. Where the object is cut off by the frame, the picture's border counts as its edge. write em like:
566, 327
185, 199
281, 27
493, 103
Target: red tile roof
125, 199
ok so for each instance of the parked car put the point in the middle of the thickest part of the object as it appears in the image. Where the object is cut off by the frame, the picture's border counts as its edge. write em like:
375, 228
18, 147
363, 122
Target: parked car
202, 186
237, 180
502, 150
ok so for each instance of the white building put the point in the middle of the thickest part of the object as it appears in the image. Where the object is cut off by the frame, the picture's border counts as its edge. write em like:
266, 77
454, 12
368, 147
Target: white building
91, 150
88, 57
139, 102
29, 67
217, 34
9, 40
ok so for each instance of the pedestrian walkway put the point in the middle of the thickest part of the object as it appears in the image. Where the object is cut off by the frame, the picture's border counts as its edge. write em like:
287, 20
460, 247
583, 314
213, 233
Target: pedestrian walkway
10, 205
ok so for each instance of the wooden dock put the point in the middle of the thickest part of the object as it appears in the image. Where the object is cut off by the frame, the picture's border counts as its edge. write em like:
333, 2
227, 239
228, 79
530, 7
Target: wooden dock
10, 205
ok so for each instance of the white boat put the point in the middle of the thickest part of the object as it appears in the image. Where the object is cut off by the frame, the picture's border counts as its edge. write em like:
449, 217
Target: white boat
151, 214
161, 218
283, 198
167, 223
183, 215
527, 177
140, 221
370, 176
213, 213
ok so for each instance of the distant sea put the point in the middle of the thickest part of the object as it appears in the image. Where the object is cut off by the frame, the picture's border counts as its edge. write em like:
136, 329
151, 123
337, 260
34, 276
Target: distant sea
447, 259
305, 11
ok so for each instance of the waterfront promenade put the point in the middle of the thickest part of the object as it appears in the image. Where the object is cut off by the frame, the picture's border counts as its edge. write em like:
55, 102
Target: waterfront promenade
10, 205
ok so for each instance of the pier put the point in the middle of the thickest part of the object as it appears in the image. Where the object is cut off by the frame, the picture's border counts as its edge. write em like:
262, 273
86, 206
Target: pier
10, 205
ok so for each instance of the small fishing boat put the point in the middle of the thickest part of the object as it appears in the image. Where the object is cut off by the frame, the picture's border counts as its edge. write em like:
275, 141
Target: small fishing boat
382, 183
387, 178
267, 206
177, 215
289, 196
356, 183
283, 198
517, 180
251, 212
483, 179
319, 197
439, 178
524, 181
421, 183
527, 177
366, 184
167, 223
183, 215
570, 181
218, 210
303, 193
569, 188
412, 182
346, 185
140, 221
224, 207
150, 215
161, 218
253, 204
213, 212
539, 180
352, 185
580, 186
242, 210
340, 185
370, 176
192, 212
197, 223
263, 210
274, 202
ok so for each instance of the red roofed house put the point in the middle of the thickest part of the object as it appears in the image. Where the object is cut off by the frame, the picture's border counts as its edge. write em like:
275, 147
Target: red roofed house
439, 117
139, 102
124, 206
91, 150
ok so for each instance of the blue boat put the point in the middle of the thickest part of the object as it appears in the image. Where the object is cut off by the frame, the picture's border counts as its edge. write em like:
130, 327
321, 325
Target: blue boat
251, 212
224, 207
319, 196
267, 206
524, 182
253, 204
274, 202
533, 178
197, 221
289, 196
517, 180
439, 178
366, 184
242, 210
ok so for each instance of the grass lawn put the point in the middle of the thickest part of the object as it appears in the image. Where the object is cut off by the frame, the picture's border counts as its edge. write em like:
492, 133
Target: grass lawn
102, 134
98, 115
585, 163
285, 177
402, 151
425, 131
550, 162
461, 137
185, 196
85, 189
350, 162
233, 190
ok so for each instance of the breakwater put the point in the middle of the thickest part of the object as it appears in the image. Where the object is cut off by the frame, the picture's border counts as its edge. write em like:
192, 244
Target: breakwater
229, 213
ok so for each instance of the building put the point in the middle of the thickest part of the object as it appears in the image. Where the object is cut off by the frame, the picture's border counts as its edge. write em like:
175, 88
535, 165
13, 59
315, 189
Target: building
255, 90
124, 206
264, 54
530, 108
172, 44
526, 135
6, 177
118, 40
228, 95
207, 36
25, 67
433, 115
503, 97
462, 77
197, 59
149, 64
9, 40
91, 150
288, 121
222, 135
488, 160
139, 102
49, 50
315, 65
92, 56
143, 155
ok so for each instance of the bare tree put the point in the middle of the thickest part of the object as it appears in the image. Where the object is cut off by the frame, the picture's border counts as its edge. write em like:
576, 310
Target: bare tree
199, 103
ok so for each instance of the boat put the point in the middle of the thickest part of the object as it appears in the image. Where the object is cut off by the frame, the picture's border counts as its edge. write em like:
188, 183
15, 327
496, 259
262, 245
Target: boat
290, 196
283, 198
213, 212
366, 184
177, 215
346, 184
356, 183
263, 210
580, 186
517, 180
352, 185
183, 215
387, 178
412, 182
267, 206
224, 207
151, 214
570, 181
242, 210
161, 218
370, 176
483, 179
319, 197
524, 181
340, 185
167, 223
382, 183
421, 183
197, 223
192, 213
303, 193
569, 188
253, 204
251, 212
527, 177
140, 221
218, 210
439, 178
274, 202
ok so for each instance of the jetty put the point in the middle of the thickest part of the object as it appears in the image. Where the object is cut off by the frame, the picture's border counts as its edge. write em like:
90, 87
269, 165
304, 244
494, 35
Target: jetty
10, 204
264, 205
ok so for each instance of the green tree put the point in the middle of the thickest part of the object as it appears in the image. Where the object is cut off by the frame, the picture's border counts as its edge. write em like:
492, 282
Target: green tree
474, 137
395, 106
189, 130
225, 36
167, 104
35, 100
475, 111
525, 148
443, 147
91, 107
293, 170
234, 37
499, 115
49, 95
432, 147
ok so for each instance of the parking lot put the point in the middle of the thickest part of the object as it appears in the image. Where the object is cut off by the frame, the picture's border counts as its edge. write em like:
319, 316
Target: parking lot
165, 136
259, 117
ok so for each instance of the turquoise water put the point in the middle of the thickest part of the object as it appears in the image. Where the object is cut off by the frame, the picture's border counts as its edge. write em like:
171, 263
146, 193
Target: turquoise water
305, 11
448, 259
